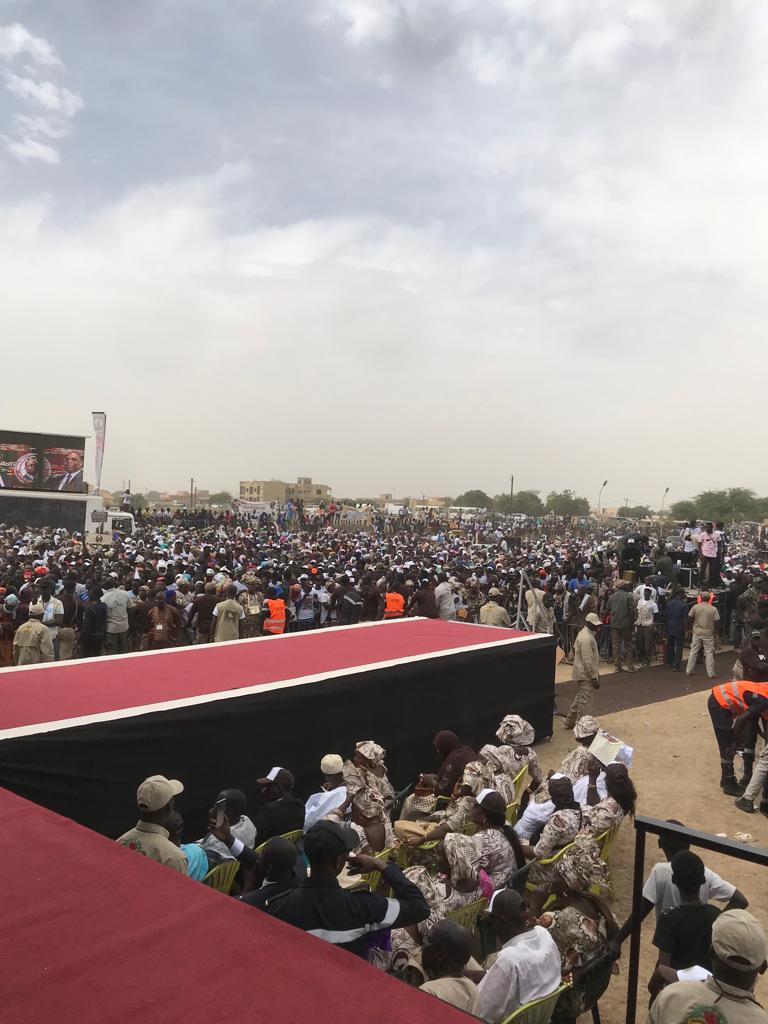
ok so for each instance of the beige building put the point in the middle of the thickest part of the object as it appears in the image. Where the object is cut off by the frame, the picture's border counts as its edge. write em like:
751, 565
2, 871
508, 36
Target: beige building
277, 490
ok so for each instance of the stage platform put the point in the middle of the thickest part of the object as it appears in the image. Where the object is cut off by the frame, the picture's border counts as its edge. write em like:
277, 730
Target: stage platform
95, 932
78, 736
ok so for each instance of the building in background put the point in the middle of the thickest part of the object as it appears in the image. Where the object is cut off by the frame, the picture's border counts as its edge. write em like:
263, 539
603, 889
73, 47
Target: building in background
278, 490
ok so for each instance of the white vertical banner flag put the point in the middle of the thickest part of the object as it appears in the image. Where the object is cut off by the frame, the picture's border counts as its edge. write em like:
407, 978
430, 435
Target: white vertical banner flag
99, 430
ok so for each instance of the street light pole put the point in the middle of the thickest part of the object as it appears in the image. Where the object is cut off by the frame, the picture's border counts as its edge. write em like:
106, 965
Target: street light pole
511, 492
600, 496
661, 513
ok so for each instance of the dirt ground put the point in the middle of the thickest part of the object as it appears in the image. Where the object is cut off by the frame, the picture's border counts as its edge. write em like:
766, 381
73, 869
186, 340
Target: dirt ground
676, 771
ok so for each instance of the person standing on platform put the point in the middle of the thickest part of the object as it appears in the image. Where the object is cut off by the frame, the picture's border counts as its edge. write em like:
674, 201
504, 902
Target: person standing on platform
621, 608
32, 644
705, 618
586, 669
676, 614
492, 613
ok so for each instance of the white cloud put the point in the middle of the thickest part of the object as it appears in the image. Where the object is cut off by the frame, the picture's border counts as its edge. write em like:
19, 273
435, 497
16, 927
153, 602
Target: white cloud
31, 135
30, 149
16, 40
46, 94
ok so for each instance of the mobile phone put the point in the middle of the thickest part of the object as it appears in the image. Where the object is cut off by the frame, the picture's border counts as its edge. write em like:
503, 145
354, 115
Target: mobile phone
219, 811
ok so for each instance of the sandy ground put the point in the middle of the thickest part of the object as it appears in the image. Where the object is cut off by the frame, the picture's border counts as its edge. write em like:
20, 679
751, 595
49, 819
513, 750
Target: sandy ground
676, 773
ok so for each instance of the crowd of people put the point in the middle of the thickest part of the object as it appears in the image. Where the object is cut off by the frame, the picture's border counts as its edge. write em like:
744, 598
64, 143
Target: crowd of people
187, 578
386, 875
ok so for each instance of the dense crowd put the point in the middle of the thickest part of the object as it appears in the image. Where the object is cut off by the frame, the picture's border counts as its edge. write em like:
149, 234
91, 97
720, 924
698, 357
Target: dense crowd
483, 882
191, 577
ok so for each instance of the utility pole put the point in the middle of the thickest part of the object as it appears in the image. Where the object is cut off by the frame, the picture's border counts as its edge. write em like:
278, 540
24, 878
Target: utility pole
191, 492
511, 492
626, 507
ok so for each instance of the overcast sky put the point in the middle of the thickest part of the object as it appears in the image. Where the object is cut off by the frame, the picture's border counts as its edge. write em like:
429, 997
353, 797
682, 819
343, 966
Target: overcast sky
396, 245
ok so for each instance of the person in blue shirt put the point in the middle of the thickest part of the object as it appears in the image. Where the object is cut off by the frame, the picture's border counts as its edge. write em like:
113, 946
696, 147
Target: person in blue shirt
676, 616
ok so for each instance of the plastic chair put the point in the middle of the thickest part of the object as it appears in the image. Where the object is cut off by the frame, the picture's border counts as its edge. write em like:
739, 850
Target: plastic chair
222, 876
467, 916
518, 878
512, 811
549, 860
521, 782
591, 982
372, 878
606, 840
399, 800
294, 837
538, 1011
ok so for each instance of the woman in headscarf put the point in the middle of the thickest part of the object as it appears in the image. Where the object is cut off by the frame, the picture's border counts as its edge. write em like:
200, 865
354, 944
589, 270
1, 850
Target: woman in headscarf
516, 736
457, 885
455, 756
252, 600
456, 815
371, 822
497, 848
497, 759
579, 922
621, 798
576, 764
367, 770
561, 829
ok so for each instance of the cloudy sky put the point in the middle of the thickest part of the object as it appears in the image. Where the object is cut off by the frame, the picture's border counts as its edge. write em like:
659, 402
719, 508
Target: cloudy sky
397, 245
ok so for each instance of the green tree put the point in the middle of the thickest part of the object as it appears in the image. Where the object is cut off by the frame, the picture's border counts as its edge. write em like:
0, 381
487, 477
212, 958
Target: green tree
684, 510
474, 499
527, 503
220, 498
636, 511
567, 503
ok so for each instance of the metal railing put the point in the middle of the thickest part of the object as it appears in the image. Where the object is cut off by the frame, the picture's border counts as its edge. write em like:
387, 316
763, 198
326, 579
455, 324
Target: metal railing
643, 825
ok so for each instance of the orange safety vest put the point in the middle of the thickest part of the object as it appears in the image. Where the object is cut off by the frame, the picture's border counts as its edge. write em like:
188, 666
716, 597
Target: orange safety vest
394, 605
275, 621
731, 695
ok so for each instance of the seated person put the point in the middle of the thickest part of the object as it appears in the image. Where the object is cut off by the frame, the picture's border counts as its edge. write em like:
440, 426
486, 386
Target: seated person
535, 816
579, 922
576, 763
240, 826
278, 861
502, 778
332, 795
453, 816
444, 955
371, 822
154, 799
526, 968
367, 770
561, 829
660, 894
601, 815
683, 934
346, 919
197, 862
422, 802
456, 885
281, 811
497, 849
738, 958
517, 736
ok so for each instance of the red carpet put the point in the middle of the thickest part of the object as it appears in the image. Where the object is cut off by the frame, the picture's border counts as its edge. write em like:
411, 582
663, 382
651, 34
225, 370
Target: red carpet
95, 933
103, 686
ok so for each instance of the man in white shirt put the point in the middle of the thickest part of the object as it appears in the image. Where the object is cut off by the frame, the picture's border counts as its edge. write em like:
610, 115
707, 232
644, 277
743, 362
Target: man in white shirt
53, 612
446, 606
646, 609
528, 965
332, 796
118, 602
536, 815
660, 894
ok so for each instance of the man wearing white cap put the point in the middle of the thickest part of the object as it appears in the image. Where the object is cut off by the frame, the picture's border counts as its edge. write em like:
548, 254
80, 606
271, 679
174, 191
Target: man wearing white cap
586, 669
727, 997
332, 796
154, 799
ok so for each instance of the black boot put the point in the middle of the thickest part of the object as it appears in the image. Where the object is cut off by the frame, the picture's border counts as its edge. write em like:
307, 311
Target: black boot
731, 787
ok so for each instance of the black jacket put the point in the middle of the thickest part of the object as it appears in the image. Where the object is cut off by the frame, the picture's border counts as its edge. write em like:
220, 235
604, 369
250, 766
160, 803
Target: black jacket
323, 909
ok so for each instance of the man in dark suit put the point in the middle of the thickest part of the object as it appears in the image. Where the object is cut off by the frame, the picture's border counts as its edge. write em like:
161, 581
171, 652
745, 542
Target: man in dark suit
72, 478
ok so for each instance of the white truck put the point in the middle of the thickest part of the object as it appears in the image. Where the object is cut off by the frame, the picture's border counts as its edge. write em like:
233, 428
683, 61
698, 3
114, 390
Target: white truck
77, 513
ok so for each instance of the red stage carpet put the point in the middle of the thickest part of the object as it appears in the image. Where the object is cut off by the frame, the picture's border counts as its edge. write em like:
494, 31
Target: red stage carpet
37, 698
93, 933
